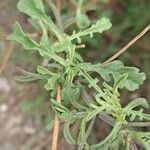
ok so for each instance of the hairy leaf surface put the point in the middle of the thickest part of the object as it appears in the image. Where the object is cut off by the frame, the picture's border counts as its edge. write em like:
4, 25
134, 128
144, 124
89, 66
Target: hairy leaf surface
117, 69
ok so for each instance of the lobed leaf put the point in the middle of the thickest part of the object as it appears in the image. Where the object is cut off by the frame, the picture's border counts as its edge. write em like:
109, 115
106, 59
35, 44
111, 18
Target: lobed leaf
33, 8
101, 25
28, 43
19, 36
116, 69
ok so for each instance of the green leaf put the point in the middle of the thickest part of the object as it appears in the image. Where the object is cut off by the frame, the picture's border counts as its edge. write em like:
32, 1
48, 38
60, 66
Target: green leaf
19, 36
82, 19
28, 76
93, 82
52, 55
84, 143
58, 107
137, 102
116, 69
78, 57
137, 113
44, 39
56, 14
129, 109
81, 131
92, 113
70, 94
142, 137
28, 43
33, 8
35, 24
119, 81
51, 83
43, 70
67, 134
60, 46
101, 25
111, 137
78, 106
116, 143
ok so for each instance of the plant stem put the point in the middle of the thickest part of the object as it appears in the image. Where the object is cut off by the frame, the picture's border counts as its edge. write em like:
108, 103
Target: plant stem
109, 120
128, 45
6, 57
138, 124
56, 11
58, 6
56, 122
58, 99
87, 134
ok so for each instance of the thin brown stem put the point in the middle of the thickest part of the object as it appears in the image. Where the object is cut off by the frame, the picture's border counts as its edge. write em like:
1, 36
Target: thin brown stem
4, 36
6, 57
58, 6
58, 99
128, 45
56, 122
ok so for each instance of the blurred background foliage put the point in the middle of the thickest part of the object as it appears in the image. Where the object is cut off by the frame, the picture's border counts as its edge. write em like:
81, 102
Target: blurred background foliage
25, 108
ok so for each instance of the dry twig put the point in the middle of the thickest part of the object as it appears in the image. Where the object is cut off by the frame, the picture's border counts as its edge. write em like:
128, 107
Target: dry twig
56, 122
58, 99
6, 57
128, 45
58, 6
